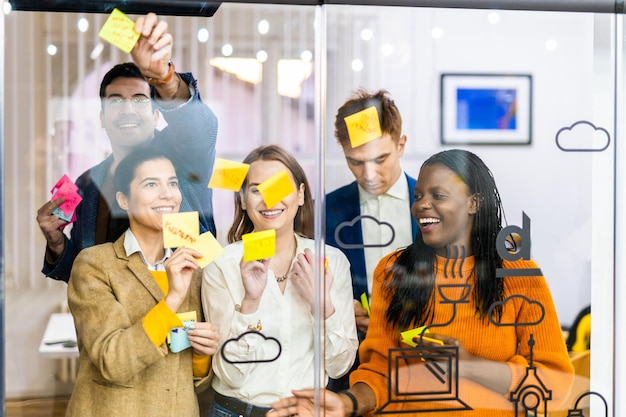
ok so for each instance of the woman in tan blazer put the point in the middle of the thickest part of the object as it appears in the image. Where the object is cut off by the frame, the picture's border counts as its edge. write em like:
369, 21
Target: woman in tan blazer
125, 297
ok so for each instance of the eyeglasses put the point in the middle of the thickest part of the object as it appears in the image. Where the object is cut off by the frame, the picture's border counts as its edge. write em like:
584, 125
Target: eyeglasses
137, 102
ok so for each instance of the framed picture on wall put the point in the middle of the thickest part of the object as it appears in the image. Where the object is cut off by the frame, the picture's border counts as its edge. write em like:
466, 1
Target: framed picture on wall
486, 109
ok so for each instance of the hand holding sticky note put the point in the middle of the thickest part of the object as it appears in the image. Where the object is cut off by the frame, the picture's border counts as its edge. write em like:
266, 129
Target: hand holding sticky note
180, 229
259, 245
208, 246
177, 337
363, 126
409, 335
119, 30
228, 175
275, 188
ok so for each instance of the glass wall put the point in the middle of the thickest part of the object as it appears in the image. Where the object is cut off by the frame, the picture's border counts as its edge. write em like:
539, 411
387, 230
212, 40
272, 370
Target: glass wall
535, 95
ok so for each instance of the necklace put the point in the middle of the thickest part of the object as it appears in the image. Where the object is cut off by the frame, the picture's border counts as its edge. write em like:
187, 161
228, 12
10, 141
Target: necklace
284, 277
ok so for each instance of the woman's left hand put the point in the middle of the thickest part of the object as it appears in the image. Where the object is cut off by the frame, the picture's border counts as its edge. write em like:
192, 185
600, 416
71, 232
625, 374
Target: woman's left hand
204, 338
303, 278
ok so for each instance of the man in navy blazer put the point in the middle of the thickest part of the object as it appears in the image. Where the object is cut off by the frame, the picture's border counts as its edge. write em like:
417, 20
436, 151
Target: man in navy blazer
132, 96
371, 216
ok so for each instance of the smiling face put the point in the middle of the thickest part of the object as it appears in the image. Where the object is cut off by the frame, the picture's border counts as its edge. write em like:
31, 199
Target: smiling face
127, 114
281, 216
376, 164
444, 208
153, 192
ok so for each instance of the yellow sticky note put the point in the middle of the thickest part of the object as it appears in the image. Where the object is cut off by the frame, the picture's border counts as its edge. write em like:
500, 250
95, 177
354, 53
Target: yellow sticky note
209, 247
259, 245
407, 336
275, 188
228, 175
363, 126
365, 303
180, 229
119, 30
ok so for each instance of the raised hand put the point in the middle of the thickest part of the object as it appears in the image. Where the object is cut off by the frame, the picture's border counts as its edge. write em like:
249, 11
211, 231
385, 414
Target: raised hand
50, 227
254, 277
303, 278
153, 50
179, 268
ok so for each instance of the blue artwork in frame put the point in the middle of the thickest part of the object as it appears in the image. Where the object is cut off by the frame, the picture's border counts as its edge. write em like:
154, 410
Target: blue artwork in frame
486, 109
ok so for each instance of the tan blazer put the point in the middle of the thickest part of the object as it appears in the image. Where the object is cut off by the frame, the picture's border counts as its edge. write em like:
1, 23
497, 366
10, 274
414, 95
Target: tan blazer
121, 372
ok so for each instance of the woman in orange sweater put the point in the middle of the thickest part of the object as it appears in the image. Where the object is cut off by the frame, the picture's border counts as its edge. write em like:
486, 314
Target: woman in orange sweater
492, 343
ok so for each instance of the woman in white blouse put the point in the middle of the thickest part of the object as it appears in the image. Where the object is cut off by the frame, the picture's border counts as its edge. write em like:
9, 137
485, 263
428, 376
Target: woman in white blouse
271, 301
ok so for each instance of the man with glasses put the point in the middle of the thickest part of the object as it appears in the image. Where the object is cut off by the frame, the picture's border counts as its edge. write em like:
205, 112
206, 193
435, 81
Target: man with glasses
132, 96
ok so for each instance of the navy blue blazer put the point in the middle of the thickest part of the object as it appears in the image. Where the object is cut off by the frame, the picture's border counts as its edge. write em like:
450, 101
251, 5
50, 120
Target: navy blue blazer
189, 139
342, 205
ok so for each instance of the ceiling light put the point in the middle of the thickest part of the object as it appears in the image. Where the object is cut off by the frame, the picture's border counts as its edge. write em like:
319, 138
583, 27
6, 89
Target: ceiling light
246, 69
493, 17
96, 51
6, 7
367, 34
261, 56
386, 49
203, 35
51, 49
436, 33
291, 75
551, 44
82, 24
306, 56
263, 27
357, 65
227, 49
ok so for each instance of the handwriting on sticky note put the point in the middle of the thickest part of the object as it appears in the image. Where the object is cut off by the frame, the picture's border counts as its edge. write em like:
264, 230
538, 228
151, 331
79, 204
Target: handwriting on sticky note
363, 126
259, 245
180, 229
365, 303
275, 188
208, 246
228, 175
119, 30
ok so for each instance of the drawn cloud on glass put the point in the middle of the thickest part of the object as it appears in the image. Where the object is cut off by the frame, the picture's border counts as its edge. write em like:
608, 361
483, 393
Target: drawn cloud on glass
344, 229
583, 136
250, 334
539, 313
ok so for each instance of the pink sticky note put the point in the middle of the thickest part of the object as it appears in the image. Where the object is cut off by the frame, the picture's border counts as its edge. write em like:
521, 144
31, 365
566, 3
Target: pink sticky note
67, 190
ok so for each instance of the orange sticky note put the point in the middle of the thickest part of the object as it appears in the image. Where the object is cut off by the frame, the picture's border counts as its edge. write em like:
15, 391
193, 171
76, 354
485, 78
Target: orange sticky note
363, 126
180, 229
275, 188
119, 30
259, 245
228, 175
209, 247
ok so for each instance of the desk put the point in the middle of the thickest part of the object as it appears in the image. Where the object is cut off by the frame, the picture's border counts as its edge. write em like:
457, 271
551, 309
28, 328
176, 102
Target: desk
60, 327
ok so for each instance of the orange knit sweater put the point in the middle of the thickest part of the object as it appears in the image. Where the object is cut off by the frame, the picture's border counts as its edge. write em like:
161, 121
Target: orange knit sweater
507, 342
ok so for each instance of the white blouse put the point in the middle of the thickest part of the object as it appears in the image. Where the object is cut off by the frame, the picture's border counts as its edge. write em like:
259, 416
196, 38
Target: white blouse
251, 374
